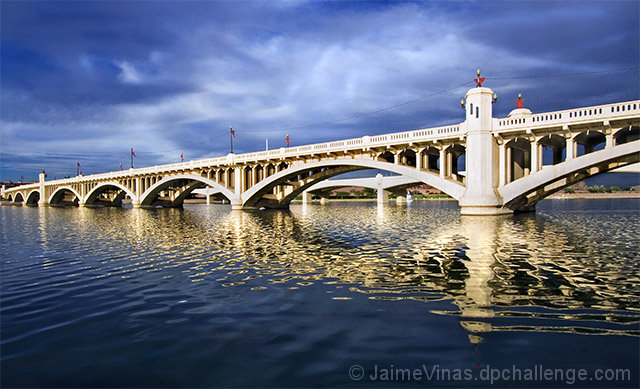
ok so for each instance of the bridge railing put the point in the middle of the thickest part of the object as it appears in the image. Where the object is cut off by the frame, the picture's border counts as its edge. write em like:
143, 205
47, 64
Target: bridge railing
342, 145
21, 187
573, 116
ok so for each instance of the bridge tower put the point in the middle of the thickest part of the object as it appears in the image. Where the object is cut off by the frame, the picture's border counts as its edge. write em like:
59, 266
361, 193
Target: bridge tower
41, 187
481, 157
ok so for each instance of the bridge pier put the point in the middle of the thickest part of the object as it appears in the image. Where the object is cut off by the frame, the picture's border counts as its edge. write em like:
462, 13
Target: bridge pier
43, 202
482, 157
306, 197
383, 196
236, 203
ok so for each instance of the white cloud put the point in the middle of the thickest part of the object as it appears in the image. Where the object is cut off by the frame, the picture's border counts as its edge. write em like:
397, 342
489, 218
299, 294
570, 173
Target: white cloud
129, 74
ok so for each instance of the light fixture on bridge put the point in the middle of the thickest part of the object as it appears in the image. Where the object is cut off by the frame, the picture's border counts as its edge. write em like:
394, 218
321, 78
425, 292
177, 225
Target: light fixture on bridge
495, 98
519, 101
478, 80
462, 103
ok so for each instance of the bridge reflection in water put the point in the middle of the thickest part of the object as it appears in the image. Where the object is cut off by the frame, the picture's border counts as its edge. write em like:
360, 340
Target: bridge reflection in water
524, 273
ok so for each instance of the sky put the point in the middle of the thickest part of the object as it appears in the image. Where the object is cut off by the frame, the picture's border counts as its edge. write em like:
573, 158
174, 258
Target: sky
87, 81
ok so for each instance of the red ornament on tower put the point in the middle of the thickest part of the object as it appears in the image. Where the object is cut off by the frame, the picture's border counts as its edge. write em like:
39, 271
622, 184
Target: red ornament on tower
519, 101
478, 80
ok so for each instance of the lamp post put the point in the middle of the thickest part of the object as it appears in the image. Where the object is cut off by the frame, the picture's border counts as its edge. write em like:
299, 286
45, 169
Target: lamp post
479, 80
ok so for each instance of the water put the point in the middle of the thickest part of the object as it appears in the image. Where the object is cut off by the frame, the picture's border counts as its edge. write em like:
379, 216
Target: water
206, 296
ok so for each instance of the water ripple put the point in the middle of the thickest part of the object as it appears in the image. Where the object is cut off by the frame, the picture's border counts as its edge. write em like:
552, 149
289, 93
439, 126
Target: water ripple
169, 281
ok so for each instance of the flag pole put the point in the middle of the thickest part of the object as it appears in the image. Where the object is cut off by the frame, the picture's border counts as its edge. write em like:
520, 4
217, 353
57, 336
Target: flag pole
131, 158
231, 138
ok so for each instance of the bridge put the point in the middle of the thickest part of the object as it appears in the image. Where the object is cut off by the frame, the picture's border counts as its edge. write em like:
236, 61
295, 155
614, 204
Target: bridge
503, 158
381, 184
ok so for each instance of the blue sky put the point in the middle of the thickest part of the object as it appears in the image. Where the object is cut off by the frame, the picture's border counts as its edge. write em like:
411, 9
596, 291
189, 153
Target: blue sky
88, 80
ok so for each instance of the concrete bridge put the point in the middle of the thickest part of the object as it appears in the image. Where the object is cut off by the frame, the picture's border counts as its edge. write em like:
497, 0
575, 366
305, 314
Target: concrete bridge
381, 184
503, 162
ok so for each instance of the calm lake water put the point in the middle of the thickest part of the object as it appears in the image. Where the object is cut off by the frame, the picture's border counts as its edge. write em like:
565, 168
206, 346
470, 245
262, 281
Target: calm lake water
348, 294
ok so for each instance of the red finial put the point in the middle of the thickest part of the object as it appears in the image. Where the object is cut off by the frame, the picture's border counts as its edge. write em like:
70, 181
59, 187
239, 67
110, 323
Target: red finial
519, 101
478, 80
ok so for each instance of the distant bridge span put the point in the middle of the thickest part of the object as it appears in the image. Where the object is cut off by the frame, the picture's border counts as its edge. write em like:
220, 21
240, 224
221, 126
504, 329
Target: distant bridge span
379, 183
505, 171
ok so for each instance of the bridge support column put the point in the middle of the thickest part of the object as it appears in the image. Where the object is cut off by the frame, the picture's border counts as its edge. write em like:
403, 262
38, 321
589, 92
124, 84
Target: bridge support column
306, 197
536, 157
509, 165
401, 200
482, 160
609, 141
383, 196
238, 184
324, 201
571, 149
254, 174
443, 162
43, 196
503, 164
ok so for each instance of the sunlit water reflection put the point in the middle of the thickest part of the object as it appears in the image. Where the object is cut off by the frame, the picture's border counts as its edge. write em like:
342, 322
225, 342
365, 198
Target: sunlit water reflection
207, 296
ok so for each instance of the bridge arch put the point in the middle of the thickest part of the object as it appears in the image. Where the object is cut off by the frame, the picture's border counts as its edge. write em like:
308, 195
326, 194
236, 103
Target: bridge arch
57, 197
149, 197
524, 193
626, 134
33, 197
590, 140
431, 157
94, 194
10, 197
393, 184
387, 156
386, 183
18, 198
311, 173
557, 144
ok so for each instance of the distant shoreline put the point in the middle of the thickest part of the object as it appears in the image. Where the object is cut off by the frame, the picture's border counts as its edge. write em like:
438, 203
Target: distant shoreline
588, 195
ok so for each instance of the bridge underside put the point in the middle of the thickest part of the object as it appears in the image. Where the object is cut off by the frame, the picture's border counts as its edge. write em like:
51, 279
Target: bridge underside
172, 194
522, 195
526, 203
106, 196
291, 185
64, 198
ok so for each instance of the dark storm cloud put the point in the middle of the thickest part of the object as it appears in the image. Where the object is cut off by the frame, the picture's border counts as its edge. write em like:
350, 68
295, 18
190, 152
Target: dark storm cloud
89, 80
